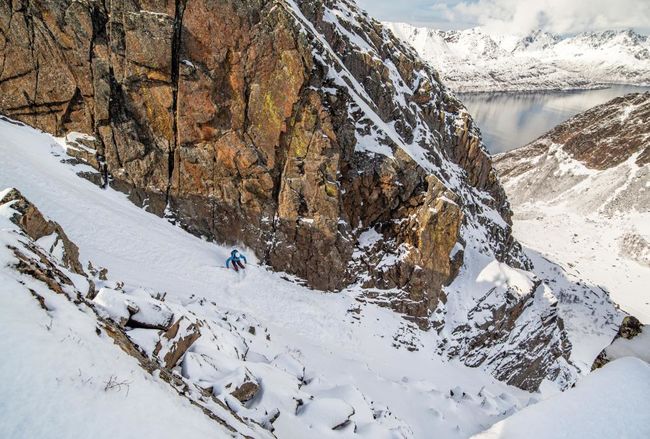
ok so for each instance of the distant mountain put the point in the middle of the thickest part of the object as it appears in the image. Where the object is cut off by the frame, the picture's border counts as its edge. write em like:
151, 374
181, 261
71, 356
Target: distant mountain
474, 60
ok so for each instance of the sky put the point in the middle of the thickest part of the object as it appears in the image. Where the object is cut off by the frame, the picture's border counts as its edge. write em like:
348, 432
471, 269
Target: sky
517, 16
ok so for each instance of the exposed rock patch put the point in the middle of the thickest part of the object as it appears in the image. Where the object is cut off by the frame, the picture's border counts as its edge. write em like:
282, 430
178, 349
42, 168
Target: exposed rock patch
630, 328
34, 224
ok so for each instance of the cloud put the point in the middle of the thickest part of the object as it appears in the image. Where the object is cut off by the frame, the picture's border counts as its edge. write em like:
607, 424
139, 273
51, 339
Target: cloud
560, 16
519, 16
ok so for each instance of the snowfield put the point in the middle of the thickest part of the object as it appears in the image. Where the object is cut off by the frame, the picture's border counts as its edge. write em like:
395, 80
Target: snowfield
474, 60
611, 402
350, 353
326, 364
591, 246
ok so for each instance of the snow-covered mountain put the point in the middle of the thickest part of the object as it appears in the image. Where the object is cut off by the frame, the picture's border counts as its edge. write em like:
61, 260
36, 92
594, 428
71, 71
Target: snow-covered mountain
474, 60
581, 193
307, 134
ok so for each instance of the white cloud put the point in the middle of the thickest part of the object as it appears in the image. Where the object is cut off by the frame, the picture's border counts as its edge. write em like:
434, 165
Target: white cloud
561, 16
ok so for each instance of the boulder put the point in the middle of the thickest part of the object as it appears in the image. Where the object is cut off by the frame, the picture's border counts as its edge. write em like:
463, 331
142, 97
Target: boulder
174, 342
246, 391
132, 311
629, 329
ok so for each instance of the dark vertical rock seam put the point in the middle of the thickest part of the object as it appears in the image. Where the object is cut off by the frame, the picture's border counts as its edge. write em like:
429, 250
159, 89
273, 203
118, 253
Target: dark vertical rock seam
175, 75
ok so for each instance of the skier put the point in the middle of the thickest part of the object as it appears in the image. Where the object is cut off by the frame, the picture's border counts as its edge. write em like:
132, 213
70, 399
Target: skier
235, 258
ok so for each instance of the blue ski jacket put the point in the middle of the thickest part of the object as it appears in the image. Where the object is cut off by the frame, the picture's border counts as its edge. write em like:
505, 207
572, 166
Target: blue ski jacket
235, 256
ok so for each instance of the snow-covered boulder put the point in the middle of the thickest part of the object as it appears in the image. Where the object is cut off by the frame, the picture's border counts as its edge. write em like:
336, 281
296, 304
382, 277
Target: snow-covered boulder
632, 340
48, 234
173, 344
133, 311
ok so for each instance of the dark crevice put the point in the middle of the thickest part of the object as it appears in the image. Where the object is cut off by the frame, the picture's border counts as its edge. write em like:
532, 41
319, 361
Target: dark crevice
36, 107
16, 76
74, 103
99, 22
35, 112
32, 36
115, 109
176, 49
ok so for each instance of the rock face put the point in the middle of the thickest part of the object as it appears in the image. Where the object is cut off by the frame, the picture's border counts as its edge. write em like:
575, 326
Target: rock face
303, 130
260, 123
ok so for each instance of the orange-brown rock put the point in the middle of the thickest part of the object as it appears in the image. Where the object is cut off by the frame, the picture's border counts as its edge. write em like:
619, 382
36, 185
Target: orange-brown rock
245, 121
176, 341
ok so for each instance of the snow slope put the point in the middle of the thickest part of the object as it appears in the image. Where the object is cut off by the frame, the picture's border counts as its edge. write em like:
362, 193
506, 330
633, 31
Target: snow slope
352, 354
62, 380
590, 246
349, 363
473, 60
611, 403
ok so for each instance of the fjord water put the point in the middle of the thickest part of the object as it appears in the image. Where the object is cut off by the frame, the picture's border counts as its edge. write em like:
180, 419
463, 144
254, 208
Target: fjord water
510, 120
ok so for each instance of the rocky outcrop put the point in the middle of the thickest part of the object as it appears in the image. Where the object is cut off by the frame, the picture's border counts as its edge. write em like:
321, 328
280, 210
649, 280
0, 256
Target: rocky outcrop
176, 341
298, 129
630, 328
260, 128
507, 319
33, 223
